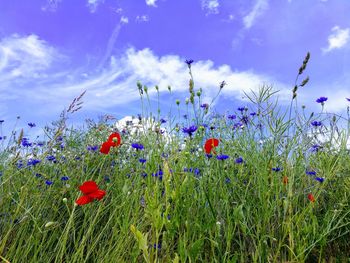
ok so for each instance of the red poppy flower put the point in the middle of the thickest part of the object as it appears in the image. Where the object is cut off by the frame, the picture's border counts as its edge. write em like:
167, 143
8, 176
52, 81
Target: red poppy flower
210, 144
106, 146
311, 197
91, 192
115, 139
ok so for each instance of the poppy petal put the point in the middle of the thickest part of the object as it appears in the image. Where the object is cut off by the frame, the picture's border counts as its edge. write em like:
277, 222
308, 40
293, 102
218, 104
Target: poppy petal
210, 144
84, 200
88, 187
105, 147
99, 194
117, 136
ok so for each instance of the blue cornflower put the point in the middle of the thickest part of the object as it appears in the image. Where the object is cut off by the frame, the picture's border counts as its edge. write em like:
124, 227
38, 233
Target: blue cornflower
1, 121
107, 179
321, 99
0, 138
48, 182
276, 169
222, 157
19, 164
189, 130
64, 178
196, 171
253, 114
310, 173
189, 62
33, 162
40, 144
162, 121
51, 158
231, 117
31, 124
227, 180
209, 155
348, 99
142, 160
315, 148
26, 143
59, 138
239, 160
245, 120
38, 175
205, 106
137, 146
93, 148
320, 179
241, 109
237, 125
144, 175
185, 116
316, 123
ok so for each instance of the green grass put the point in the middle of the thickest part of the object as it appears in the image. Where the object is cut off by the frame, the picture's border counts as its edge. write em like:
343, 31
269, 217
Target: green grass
229, 212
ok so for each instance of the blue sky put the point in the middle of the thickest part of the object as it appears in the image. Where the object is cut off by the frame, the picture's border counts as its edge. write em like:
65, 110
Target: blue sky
53, 50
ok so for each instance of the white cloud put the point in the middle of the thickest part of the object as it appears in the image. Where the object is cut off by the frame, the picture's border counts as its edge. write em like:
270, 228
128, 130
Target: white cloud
124, 20
338, 39
22, 57
259, 8
142, 18
211, 6
151, 3
93, 4
51, 5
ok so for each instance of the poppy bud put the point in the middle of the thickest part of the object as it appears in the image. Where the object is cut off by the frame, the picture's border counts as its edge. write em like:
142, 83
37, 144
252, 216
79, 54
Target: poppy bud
64, 200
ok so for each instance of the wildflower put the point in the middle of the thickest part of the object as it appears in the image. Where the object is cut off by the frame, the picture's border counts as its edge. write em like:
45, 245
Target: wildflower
311, 197
1, 121
205, 106
239, 160
91, 192
48, 182
320, 179
241, 109
51, 158
189, 62
321, 100
253, 114
316, 123
231, 117
115, 139
276, 169
310, 173
144, 175
209, 155
142, 160
31, 125
227, 180
64, 178
222, 157
315, 148
25, 142
210, 144
348, 99
137, 146
33, 162
38, 175
106, 146
189, 130
245, 120
162, 121
92, 148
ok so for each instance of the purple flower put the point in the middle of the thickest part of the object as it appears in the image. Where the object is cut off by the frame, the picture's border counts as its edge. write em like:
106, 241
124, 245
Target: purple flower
162, 121
321, 99
310, 173
92, 148
48, 182
316, 123
320, 179
189, 130
142, 160
241, 109
137, 146
205, 106
51, 158
227, 180
31, 124
189, 62
231, 117
209, 155
315, 148
276, 169
348, 99
239, 160
64, 178
26, 143
222, 157
33, 162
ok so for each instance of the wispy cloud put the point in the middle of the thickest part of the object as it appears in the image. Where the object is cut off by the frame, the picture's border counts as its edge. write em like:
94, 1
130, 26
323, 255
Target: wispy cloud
151, 3
211, 6
142, 18
124, 20
93, 4
338, 39
259, 8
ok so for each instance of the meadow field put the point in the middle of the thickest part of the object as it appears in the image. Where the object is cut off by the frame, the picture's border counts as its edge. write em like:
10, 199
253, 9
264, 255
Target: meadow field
260, 183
